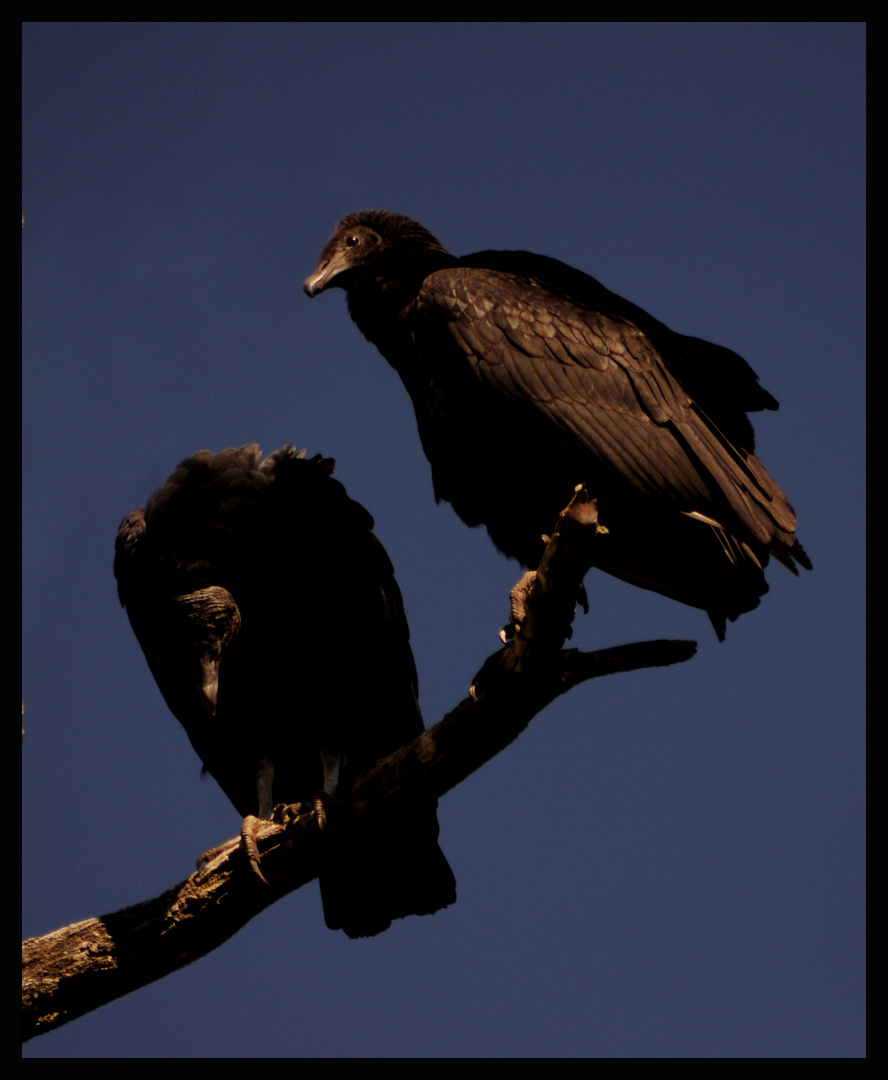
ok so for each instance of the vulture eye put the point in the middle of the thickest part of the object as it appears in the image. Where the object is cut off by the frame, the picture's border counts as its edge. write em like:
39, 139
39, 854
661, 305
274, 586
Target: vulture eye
352, 241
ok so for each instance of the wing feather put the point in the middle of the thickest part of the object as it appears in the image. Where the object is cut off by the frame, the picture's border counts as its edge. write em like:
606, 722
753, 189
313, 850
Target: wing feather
601, 380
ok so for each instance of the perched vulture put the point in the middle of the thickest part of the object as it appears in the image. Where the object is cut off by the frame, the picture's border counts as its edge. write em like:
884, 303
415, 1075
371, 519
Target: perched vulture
270, 617
529, 377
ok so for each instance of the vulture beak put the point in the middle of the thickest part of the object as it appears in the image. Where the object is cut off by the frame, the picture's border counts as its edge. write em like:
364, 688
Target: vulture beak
325, 275
209, 688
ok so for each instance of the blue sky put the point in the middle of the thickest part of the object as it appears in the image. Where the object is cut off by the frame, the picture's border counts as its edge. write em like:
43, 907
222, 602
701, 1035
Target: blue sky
666, 863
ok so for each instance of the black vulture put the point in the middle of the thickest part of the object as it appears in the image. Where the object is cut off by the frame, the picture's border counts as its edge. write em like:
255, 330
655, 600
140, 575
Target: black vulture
529, 377
270, 617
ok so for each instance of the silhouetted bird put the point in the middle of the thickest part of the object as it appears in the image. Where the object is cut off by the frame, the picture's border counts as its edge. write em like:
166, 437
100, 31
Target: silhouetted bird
270, 617
529, 377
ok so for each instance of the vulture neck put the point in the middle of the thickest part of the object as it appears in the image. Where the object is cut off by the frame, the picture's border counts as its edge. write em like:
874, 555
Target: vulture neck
381, 300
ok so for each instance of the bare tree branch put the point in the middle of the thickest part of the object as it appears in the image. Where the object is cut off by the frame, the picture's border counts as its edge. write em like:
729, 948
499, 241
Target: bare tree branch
77, 969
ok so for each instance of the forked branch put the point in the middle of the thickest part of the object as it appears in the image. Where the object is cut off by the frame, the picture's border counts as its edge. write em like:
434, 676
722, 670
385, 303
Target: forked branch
77, 969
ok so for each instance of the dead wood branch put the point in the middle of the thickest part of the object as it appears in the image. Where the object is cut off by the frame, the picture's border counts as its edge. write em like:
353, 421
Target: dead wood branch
77, 969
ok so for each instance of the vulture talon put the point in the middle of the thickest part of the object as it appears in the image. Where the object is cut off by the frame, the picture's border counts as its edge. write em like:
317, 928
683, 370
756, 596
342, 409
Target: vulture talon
248, 845
320, 811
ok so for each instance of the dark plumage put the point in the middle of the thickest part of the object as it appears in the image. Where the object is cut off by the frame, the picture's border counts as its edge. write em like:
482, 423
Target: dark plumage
270, 617
529, 377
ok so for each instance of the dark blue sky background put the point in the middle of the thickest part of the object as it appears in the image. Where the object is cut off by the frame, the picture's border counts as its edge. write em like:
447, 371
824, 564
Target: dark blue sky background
666, 863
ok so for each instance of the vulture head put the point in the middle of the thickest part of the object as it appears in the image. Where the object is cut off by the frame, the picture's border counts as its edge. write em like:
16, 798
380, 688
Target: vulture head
368, 244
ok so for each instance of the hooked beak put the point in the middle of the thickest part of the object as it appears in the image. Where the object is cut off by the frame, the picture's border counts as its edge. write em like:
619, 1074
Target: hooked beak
325, 275
209, 689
